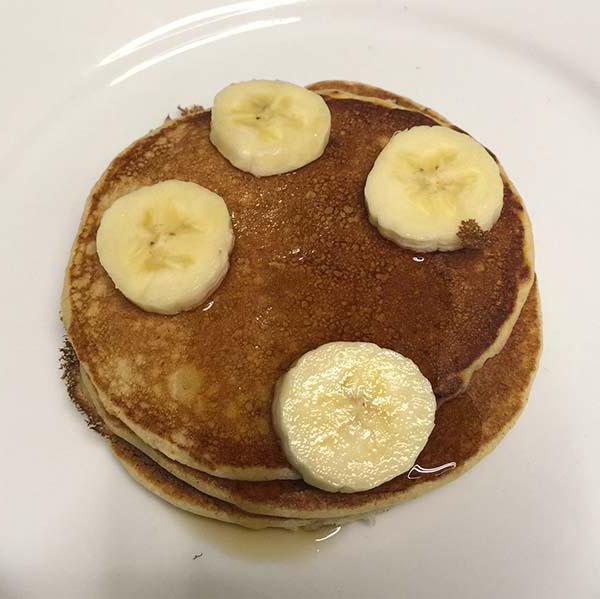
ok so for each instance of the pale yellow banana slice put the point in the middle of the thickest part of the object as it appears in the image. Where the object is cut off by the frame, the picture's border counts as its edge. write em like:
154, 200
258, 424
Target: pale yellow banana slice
269, 127
351, 415
166, 246
426, 182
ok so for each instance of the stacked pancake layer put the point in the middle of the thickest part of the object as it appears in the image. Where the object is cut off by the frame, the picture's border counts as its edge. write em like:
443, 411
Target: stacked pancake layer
186, 398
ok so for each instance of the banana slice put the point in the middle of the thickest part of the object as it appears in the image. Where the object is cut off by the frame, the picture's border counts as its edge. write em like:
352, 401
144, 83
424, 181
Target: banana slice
426, 182
351, 415
269, 127
166, 247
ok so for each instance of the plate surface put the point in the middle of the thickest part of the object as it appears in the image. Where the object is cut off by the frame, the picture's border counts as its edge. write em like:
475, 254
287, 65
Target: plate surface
81, 81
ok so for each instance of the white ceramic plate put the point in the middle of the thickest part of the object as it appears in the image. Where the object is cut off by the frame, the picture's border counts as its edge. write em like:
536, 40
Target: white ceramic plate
80, 80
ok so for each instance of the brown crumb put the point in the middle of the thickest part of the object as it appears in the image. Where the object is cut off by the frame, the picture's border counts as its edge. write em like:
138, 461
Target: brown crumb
471, 235
68, 363
69, 366
187, 110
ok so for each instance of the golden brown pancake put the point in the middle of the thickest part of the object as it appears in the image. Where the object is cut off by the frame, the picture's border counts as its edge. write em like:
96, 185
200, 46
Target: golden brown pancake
307, 268
466, 429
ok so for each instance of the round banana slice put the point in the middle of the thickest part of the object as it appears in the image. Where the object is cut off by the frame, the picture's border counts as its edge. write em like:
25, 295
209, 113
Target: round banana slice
166, 247
351, 415
427, 182
269, 127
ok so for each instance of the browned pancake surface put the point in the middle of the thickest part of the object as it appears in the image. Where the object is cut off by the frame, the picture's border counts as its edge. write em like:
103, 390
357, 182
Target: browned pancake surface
307, 268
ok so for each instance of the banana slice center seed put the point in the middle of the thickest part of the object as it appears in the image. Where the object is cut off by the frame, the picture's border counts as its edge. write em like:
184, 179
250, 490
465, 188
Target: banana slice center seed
262, 113
164, 230
438, 180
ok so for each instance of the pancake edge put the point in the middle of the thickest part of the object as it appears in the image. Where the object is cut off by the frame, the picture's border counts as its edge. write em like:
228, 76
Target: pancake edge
183, 496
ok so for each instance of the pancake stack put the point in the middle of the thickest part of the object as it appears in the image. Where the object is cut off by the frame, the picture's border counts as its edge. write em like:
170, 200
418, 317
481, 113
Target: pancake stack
185, 400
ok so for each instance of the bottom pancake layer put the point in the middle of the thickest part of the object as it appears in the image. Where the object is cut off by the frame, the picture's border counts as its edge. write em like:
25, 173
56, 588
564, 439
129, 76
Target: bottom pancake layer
181, 495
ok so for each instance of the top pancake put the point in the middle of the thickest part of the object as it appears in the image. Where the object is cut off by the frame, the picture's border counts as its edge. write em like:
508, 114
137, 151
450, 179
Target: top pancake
307, 268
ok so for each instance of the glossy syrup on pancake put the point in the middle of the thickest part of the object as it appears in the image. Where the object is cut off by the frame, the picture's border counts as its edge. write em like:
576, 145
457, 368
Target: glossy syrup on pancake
307, 268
